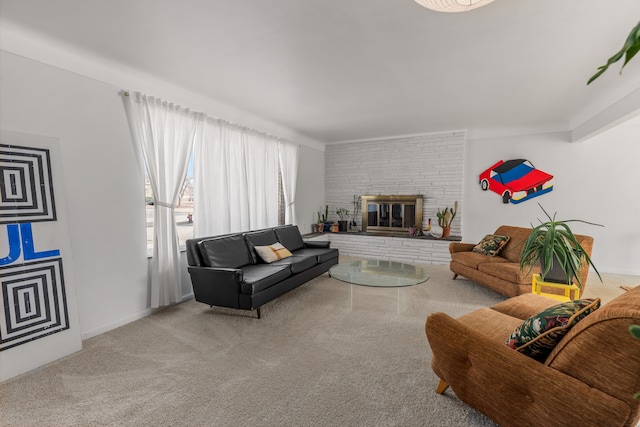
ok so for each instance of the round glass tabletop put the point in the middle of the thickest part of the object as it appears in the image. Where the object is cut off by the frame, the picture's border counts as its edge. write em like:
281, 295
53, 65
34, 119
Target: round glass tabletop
373, 272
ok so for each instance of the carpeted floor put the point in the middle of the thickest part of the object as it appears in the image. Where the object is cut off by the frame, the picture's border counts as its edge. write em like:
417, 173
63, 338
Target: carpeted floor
325, 354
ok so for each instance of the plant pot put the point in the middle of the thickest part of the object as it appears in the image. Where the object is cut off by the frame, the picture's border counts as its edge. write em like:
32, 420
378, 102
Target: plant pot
556, 274
327, 226
446, 231
343, 225
318, 228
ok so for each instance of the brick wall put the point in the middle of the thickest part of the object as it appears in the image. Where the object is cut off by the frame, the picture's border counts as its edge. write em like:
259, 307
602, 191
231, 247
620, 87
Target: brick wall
414, 251
431, 165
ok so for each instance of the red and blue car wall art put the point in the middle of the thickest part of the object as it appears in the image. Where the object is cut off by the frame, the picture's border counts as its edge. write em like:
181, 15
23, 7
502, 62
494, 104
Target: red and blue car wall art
516, 180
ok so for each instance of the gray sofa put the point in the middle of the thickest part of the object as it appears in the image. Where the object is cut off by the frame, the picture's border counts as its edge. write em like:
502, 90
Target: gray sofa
226, 270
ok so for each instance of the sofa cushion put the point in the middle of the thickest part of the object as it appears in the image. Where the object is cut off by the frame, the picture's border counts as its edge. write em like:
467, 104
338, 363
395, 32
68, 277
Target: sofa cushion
290, 237
493, 324
538, 335
271, 253
509, 271
225, 252
473, 259
298, 263
517, 236
491, 244
524, 306
258, 277
320, 254
259, 238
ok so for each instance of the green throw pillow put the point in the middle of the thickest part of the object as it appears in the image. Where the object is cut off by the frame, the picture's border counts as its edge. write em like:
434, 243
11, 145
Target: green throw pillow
491, 244
539, 334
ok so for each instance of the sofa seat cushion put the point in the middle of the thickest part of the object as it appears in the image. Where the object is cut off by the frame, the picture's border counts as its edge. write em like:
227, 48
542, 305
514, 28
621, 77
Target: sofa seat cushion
473, 259
509, 271
495, 325
298, 263
258, 277
524, 306
321, 254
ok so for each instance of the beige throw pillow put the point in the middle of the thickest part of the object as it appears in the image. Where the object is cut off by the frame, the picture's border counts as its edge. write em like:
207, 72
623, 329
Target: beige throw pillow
273, 252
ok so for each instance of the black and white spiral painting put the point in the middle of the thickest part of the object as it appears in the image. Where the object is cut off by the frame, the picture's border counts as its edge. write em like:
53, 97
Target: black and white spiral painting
38, 309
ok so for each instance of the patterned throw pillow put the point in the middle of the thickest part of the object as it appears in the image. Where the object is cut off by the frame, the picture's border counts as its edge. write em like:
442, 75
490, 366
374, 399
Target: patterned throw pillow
273, 252
491, 244
539, 334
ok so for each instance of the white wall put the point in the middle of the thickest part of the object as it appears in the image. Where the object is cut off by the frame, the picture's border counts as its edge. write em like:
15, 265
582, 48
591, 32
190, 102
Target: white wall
104, 186
310, 187
596, 181
101, 178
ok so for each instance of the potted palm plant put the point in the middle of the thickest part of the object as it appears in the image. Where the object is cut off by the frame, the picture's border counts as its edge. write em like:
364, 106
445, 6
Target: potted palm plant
556, 249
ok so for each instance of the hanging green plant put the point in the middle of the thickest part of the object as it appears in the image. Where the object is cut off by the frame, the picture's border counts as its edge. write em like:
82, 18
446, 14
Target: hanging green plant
629, 50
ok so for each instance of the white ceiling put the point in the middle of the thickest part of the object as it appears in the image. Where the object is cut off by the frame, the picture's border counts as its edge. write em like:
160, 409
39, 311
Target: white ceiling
337, 70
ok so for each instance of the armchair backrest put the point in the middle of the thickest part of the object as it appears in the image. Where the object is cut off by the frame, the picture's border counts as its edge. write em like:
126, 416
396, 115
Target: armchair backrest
601, 352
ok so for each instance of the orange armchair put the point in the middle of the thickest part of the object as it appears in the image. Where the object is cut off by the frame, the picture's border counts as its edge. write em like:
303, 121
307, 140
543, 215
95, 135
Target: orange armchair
588, 379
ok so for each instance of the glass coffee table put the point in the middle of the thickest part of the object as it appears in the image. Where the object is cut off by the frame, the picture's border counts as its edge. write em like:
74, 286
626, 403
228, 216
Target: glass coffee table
373, 272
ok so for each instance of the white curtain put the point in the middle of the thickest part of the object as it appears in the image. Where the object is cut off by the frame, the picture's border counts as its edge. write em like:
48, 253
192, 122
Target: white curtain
164, 134
289, 170
235, 180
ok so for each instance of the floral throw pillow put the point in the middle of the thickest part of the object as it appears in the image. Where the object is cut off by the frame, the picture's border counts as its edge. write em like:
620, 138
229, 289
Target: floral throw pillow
539, 334
491, 244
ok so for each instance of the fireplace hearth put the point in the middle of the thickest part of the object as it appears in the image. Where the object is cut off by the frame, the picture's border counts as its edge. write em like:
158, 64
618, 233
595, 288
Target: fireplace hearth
391, 214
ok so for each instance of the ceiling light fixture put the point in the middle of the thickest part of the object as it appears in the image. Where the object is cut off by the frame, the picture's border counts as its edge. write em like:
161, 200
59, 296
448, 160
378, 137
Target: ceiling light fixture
453, 5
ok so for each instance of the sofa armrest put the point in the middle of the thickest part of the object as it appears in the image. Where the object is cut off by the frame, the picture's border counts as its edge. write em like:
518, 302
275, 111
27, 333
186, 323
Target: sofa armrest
500, 382
216, 286
317, 244
460, 247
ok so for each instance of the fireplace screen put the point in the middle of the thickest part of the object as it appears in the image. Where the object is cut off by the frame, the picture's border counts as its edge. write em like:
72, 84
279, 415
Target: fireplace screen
391, 214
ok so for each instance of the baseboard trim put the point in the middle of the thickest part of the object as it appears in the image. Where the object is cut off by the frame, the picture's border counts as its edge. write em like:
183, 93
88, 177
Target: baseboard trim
132, 318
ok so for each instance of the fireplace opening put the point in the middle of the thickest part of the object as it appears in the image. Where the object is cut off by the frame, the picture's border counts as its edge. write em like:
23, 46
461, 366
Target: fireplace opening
391, 214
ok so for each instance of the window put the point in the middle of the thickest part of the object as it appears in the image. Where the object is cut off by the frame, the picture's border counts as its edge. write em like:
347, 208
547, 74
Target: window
184, 208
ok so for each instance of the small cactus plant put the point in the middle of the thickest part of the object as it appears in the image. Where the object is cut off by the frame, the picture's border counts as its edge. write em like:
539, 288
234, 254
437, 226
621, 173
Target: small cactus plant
322, 219
445, 218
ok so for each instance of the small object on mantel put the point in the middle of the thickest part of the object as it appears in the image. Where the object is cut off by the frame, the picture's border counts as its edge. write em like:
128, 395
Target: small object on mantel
436, 231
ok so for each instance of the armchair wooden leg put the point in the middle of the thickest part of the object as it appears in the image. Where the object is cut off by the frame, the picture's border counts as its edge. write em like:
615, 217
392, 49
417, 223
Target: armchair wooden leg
455, 275
258, 310
442, 386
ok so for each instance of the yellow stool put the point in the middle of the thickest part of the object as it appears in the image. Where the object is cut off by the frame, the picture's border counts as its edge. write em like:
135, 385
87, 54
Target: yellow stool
537, 284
